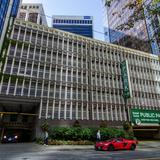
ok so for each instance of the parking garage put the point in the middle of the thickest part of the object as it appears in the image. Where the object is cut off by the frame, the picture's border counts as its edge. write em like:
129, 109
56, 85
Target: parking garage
18, 118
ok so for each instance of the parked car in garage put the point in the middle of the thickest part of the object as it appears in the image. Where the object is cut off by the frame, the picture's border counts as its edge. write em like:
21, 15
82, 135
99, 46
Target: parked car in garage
116, 144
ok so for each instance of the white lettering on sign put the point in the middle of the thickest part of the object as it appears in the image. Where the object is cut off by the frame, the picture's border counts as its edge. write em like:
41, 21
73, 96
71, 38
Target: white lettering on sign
157, 115
148, 115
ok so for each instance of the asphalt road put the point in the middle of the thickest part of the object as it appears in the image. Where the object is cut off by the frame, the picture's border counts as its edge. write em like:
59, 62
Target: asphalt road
31, 151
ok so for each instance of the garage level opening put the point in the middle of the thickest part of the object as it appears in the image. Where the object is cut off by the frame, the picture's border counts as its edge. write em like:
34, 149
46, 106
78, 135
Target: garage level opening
146, 133
18, 121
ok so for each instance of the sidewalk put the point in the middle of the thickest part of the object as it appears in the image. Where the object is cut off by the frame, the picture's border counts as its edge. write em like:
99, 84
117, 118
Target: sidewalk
146, 144
154, 144
70, 147
35, 146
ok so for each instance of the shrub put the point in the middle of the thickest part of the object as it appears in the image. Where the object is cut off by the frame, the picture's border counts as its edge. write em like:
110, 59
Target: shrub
84, 133
126, 126
60, 142
130, 135
58, 133
107, 133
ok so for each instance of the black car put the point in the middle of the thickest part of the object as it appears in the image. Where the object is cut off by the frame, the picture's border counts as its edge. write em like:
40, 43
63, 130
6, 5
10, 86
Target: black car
12, 138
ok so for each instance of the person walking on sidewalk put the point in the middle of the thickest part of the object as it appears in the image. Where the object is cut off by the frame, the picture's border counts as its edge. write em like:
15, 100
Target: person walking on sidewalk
98, 136
46, 138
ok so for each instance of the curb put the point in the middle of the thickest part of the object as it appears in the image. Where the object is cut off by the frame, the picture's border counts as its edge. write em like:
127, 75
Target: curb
69, 147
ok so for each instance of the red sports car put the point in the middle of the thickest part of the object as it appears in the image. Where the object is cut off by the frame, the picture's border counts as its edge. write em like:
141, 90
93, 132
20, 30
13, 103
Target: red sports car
116, 144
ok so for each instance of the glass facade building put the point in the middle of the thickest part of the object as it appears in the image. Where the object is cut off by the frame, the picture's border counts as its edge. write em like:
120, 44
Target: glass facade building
3, 13
71, 77
8, 9
135, 37
153, 27
4, 8
15, 8
82, 25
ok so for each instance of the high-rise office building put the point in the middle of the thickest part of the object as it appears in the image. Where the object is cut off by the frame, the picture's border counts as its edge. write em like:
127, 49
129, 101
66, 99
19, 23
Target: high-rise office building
8, 10
33, 12
58, 77
153, 26
82, 25
135, 37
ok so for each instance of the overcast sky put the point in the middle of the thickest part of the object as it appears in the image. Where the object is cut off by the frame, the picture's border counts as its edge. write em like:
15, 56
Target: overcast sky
75, 7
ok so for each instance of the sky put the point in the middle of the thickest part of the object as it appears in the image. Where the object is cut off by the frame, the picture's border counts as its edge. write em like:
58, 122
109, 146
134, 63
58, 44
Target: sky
75, 7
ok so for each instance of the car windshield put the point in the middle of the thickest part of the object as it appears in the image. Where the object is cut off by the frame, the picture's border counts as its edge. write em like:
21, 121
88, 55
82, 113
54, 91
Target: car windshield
114, 139
109, 140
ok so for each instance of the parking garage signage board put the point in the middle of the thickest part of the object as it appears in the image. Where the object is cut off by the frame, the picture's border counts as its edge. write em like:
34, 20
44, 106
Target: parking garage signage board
145, 117
127, 93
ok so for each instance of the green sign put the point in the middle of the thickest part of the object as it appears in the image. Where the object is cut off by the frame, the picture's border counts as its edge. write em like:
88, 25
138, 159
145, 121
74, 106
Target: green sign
145, 117
126, 80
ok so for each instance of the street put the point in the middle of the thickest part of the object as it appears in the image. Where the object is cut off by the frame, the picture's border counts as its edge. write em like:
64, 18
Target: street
32, 151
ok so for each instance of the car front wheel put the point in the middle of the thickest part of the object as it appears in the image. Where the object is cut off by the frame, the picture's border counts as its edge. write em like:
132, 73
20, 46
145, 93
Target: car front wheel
111, 148
133, 147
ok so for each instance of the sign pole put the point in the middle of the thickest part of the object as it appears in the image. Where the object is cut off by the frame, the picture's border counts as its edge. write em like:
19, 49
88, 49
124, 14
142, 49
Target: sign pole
127, 92
126, 109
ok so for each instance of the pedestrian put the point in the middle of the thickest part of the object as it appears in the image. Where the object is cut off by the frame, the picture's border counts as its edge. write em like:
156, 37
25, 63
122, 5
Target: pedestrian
98, 135
46, 138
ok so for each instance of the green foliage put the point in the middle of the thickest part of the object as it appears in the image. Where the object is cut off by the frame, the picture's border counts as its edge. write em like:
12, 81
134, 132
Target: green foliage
130, 135
13, 78
84, 133
107, 133
59, 133
6, 78
69, 142
126, 126
137, 8
108, 3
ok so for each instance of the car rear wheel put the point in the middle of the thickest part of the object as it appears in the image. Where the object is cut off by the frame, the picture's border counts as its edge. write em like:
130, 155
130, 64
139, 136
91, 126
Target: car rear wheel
98, 148
133, 147
111, 148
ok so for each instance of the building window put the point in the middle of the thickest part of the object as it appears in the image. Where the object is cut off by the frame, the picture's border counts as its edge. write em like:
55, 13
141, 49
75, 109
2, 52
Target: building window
22, 15
33, 17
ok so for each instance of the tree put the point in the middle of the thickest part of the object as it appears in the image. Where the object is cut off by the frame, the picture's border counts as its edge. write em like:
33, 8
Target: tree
138, 7
141, 10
